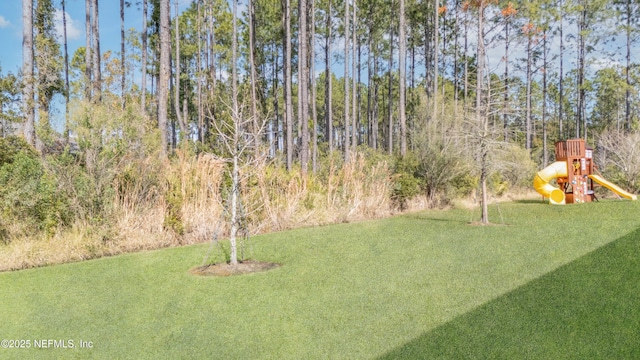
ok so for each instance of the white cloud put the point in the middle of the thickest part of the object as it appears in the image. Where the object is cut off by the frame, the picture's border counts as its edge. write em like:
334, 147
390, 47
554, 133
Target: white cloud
73, 33
4, 22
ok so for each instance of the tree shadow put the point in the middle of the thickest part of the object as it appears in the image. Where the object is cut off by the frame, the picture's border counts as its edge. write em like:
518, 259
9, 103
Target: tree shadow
530, 201
585, 309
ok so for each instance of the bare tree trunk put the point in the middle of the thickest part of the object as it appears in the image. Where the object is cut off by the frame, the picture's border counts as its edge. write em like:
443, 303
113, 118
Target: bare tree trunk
165, 69
401, 92
27, 72
236, 122
233, 258
287, 84
481, 115
347, 139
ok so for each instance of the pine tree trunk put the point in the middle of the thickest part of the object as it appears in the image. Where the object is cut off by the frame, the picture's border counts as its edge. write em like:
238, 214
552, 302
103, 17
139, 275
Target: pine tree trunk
303, 87
97, 69
328, 116
436, 29
627, 113
143, 81
390, 99
287, 81
314, 112
27, 72
67, 90
354, 90
165, 69
505, 105
199, 76
253, 80
528, 120
88, 50
561, 74
402, 84
122, 55
545, 154
347, 139
180, 115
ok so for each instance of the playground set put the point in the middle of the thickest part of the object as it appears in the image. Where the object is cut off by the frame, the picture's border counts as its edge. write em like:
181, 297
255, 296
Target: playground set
575, 175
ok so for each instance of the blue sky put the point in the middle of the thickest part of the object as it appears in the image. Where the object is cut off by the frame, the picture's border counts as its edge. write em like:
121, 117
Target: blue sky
109, 12
11, 27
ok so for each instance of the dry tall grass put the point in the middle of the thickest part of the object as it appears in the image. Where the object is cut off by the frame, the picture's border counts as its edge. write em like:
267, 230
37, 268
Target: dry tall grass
273, 200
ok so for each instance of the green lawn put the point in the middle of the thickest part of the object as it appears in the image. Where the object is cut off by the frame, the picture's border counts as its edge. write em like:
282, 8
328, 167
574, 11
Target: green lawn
554, 282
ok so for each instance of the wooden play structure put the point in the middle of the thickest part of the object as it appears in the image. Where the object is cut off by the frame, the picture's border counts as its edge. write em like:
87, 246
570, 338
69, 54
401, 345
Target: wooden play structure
577, 186
575, 175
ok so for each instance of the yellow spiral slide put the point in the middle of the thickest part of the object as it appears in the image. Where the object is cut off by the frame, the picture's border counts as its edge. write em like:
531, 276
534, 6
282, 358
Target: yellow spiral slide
544, 176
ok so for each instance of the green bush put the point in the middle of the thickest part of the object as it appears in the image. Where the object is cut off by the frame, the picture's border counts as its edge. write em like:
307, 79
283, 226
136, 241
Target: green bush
29, 194
407, 183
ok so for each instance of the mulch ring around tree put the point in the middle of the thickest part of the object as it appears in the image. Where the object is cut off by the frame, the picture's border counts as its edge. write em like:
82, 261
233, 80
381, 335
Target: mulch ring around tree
225, 269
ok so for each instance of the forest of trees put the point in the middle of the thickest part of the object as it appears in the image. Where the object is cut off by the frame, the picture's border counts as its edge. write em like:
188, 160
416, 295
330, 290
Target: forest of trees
451, 96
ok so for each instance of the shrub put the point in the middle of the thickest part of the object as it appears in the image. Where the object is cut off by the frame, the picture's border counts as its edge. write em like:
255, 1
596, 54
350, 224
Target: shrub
29, 195
407, 182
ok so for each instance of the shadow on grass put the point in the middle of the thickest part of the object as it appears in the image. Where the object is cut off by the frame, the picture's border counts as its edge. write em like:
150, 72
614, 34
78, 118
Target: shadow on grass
531, 201
430, 217
587, 309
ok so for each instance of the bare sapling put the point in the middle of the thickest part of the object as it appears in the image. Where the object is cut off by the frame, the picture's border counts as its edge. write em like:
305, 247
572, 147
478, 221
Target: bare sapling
238, 137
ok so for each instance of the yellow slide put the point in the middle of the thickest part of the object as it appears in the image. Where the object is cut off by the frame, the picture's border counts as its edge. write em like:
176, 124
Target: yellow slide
544, 176
613, 187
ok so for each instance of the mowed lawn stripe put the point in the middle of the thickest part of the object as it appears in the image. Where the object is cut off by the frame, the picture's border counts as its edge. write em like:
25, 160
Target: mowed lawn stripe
343, 291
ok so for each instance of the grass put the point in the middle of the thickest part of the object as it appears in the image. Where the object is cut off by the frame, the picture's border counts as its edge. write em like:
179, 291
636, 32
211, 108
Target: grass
415, 286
